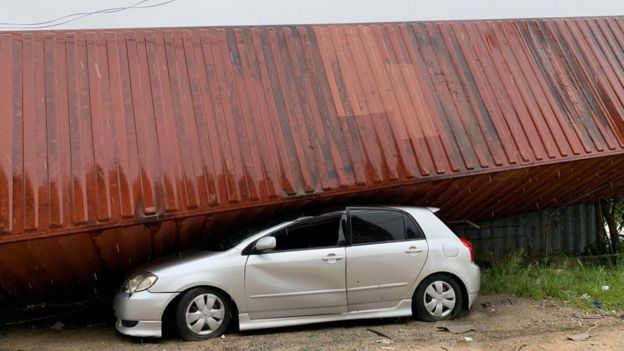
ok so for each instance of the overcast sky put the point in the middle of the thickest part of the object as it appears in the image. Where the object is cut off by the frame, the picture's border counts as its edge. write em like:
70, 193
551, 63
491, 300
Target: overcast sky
246, 12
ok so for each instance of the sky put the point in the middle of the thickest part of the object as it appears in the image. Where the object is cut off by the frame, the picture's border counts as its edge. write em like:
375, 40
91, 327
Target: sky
181, 13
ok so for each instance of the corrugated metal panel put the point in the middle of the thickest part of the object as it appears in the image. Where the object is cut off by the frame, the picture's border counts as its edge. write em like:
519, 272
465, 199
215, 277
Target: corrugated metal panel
566, 230
106, 134
108, 126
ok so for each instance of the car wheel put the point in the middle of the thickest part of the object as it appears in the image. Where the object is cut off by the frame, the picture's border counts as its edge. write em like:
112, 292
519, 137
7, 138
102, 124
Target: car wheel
437, 298
203, 313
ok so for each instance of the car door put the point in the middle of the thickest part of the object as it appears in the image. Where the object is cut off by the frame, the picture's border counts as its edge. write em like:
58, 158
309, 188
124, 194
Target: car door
386, 254
304, 275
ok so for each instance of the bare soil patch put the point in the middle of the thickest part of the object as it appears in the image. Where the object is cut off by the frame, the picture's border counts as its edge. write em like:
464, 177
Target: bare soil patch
500, 322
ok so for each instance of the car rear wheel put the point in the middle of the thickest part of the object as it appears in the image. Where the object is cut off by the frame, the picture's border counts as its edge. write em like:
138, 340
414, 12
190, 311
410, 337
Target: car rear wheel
203, 313
437, 298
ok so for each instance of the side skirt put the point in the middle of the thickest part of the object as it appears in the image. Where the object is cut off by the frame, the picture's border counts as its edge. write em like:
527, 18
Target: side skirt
402, 309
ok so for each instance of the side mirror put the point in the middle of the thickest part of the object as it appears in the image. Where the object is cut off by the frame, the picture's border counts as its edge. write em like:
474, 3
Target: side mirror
266, 243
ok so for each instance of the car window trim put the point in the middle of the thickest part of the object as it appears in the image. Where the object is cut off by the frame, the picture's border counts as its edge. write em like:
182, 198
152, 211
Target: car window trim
294, 250
386, 242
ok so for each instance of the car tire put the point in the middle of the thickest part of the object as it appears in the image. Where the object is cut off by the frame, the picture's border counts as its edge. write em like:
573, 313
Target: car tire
437, 298
202, 313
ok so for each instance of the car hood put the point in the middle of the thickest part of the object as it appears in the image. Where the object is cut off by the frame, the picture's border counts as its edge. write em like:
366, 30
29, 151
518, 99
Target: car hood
178, 261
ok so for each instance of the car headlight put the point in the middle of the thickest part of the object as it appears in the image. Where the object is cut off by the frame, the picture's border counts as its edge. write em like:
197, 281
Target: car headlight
139, 282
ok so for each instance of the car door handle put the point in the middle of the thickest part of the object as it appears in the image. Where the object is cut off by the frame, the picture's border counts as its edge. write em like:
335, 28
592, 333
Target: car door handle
413, 250
332, 257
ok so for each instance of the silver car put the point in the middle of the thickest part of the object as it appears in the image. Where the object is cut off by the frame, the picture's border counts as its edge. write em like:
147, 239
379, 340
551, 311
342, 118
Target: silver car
363, 262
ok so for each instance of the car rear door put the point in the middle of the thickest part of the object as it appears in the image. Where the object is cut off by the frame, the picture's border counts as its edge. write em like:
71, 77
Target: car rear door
387, 251
304, 275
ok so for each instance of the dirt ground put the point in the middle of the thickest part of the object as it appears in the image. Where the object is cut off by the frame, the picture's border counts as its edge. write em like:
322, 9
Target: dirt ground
499, 322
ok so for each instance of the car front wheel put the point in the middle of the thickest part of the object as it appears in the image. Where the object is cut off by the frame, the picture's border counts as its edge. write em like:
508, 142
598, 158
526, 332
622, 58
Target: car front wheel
203, 313
437, 298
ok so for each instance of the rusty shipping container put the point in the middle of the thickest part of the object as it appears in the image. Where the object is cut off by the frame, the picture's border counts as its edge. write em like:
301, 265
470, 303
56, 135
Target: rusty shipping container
118, 146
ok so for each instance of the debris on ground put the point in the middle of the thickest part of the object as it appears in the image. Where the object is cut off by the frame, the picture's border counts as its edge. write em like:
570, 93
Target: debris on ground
597, 304
579, 337
492, 306
580, 315
468, 339
378, 333
57, 326
586, 296
456, 329
384, 341
582, 336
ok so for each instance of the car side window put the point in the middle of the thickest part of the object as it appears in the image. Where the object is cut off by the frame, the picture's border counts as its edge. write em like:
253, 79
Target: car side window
413, 230
313, 233
376, 226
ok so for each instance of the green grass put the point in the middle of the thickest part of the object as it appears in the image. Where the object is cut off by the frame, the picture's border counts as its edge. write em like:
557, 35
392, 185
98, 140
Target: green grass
562, 280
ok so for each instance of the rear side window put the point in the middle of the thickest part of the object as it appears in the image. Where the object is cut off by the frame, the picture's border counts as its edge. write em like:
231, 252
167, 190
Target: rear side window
315, 233
376, 226
413, 230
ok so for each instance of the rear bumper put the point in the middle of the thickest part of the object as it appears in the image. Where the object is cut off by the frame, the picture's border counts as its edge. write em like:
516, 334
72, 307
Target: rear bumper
472, 297
473, 283
144, 308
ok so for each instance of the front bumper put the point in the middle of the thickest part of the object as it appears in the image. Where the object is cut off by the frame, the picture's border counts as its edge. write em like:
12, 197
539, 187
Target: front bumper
145, 308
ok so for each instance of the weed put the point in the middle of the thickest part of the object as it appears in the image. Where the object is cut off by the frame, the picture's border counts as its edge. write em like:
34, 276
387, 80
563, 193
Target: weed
574, 282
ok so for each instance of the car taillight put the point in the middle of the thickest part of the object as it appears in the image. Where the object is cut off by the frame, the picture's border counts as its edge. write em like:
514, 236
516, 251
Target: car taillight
468, 244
